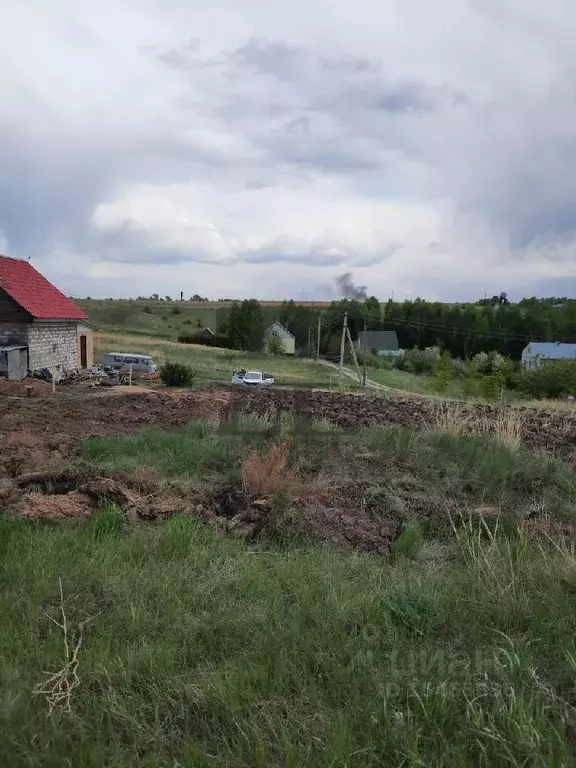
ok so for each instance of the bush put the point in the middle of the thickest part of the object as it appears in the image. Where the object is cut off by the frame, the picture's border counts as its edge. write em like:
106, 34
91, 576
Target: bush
421, 361
488, 362
188, 338
275, 345
218, 340
443, 373
491, 386
176, 310
176, 374
147, 310
553, 379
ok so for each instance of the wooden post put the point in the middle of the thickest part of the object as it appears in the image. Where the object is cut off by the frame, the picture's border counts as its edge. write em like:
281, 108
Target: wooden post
342, 347
130, 376
54, 378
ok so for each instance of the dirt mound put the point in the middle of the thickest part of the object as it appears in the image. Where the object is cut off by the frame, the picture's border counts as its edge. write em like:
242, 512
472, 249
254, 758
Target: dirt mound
38, 388
70, 505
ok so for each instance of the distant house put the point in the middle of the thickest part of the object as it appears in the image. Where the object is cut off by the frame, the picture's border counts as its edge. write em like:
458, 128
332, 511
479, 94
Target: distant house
538, 352
46, 327
206, 334
382, 342
288, 339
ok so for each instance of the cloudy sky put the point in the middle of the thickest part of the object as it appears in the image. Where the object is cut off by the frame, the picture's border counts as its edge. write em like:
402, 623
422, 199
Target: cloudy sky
262, 148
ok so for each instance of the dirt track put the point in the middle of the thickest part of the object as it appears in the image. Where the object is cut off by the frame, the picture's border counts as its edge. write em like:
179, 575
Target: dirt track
35, 430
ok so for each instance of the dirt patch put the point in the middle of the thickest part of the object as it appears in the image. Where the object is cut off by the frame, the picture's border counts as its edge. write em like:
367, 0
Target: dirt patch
39, 506
38, 388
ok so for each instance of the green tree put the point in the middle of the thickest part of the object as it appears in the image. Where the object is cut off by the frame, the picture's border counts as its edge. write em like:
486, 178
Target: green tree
245, 326
275, 345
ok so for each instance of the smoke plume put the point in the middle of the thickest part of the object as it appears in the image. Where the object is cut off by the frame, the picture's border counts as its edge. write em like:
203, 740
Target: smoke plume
348, 290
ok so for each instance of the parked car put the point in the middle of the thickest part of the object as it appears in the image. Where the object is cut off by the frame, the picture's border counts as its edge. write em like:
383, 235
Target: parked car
252, 379
120, 361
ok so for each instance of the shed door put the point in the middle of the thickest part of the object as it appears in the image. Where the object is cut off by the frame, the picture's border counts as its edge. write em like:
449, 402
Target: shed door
17, 364
83, 352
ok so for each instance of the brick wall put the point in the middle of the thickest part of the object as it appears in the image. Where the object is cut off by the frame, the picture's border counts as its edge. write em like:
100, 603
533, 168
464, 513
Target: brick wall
53, 342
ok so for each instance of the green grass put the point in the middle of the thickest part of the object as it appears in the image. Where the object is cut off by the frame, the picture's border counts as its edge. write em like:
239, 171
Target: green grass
469, 471
396, 379
211, 364
159, 318
457, 650
204, 651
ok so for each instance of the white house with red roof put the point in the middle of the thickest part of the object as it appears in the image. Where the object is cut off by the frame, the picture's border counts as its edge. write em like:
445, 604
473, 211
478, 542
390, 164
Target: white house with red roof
35, 316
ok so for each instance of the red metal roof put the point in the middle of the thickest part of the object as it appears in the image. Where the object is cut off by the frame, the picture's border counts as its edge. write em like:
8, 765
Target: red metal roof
34, 293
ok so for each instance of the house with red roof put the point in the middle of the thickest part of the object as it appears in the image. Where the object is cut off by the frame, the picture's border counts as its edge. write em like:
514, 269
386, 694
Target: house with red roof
37, 319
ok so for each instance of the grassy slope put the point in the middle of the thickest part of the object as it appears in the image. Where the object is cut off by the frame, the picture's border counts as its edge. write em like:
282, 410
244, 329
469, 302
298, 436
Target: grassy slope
158, 318
210, 363
207, 651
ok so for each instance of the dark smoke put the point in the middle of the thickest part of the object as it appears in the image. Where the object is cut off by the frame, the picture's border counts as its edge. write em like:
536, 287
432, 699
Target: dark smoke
348, 290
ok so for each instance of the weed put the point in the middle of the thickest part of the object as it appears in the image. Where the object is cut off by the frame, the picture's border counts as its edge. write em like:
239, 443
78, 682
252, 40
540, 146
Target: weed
267, 472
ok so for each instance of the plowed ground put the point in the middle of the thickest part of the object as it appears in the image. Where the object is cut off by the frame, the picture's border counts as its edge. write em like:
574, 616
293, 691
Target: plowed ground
44, 436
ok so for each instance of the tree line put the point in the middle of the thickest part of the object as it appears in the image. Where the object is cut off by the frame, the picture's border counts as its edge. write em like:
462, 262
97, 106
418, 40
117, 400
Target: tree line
463, 330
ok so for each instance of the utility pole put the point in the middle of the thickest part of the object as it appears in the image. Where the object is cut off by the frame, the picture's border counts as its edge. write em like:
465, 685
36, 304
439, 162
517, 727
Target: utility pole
364, 356
353, 351
318, 337
342, 344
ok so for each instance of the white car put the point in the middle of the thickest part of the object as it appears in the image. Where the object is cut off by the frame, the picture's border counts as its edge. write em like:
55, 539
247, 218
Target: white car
252, 379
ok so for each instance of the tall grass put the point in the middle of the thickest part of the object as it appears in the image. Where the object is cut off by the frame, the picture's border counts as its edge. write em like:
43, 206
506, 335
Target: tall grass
456, 420
205, 651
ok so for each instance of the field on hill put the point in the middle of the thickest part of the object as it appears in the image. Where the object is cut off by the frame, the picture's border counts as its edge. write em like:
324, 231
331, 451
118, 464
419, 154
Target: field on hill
284, 578
166, 319
211, 364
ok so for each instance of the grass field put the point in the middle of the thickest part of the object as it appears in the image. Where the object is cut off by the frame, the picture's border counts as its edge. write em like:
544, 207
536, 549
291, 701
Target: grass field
203, 650
165, 319
211, 364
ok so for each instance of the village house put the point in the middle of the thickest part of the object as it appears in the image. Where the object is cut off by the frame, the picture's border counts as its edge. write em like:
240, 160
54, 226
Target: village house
537, 352
39, 326
383, 343
288, 339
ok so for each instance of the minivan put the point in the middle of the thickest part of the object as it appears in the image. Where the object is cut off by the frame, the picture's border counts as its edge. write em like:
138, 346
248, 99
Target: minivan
120, 361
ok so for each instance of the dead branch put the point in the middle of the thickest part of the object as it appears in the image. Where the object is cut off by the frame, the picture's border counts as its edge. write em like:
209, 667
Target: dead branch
58, 686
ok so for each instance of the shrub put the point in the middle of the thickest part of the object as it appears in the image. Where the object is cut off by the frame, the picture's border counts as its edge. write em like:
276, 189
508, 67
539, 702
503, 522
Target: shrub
275, 345
176, 310
176, 374
554, 379
147, 310
491, 386
489, 362
218, 340
187, 338
422, 361
443, 373
459, 368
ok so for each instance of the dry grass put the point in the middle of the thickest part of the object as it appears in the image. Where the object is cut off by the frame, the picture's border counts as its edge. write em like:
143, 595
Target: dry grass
267, 472
455, 421
507, 429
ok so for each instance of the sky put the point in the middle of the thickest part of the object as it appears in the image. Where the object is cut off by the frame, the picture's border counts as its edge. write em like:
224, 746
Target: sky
262, 149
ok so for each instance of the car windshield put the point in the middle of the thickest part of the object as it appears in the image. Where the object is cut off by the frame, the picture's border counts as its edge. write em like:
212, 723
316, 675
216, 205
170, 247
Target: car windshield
253, 376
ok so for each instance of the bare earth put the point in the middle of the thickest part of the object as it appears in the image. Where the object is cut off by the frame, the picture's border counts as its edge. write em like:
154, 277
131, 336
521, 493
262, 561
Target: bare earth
41, 437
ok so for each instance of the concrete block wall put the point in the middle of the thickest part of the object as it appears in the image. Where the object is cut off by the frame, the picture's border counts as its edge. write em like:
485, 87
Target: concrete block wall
53, 342
13, 334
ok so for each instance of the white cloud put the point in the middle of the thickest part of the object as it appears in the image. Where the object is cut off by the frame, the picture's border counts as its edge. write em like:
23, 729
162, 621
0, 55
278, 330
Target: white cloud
264, 149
